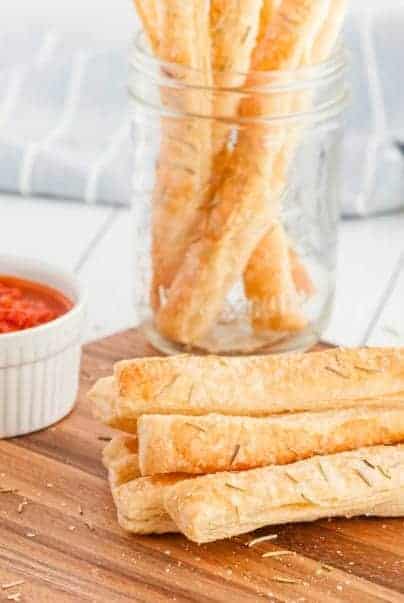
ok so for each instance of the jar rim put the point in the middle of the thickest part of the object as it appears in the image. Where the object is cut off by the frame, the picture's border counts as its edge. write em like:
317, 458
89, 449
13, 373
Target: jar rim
273, 81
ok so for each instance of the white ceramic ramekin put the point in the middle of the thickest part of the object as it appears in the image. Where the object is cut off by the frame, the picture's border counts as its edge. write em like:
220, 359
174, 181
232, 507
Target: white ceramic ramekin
39, 367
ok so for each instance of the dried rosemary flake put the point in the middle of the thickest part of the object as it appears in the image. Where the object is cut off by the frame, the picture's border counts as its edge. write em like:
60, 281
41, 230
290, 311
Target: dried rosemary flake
8, 490
245, 35
214, 203
196, 427
278, 554
322, 471
191, 393
233, 487
167, 386
262, 539
383, 471
363, 477
291, 477
336, 372
180, 166
12, 584
366, 369
21, 506
307, 498
104, 439
284, 580
368, 463
235, 454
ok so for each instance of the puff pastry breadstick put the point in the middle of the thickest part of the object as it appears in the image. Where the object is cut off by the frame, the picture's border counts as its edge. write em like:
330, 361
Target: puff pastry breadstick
231, 58
254, 386
275, 302
139, 501
241, 209
235, 26
198, 445
369, 481
271, 285
183, 172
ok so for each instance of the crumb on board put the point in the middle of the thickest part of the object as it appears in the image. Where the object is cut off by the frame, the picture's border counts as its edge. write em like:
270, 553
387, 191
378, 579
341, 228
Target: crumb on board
14, 597
262, 539
5, 490
14, 584
277, 554
21, 506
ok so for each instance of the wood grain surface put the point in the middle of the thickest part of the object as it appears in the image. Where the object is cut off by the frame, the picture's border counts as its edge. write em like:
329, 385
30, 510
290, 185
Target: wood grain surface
60, 541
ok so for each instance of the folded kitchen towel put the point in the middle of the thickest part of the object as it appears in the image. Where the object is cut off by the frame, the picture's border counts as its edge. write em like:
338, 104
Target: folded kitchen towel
64, 124
65, 131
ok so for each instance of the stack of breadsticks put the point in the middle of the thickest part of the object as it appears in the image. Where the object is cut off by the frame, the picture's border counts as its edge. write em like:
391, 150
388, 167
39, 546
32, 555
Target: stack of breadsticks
216, 211
216, 447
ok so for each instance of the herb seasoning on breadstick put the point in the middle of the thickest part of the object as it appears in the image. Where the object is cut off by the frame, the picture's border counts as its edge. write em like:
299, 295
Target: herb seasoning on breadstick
223, 505
252, 386
169, 444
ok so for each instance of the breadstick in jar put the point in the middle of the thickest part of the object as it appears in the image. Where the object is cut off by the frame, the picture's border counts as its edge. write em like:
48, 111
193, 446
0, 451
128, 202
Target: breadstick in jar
275, 305
184, 166
241, 210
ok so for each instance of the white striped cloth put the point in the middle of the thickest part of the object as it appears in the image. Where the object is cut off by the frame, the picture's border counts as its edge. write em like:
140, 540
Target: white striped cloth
64, 125
65, 132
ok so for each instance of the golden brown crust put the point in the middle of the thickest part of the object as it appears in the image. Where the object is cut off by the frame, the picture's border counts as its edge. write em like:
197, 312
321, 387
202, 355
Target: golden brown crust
275, 302
199, 445
369, 481
241, 210
268, 12
258, 386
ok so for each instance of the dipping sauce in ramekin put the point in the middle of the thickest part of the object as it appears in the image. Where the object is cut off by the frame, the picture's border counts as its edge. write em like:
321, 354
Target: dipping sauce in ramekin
25, 304
42, 320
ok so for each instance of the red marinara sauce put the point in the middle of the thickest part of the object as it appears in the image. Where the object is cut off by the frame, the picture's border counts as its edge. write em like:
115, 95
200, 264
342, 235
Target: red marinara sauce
25, 304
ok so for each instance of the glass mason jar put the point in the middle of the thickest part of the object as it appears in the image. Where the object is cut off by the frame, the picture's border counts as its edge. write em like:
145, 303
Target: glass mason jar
236, 205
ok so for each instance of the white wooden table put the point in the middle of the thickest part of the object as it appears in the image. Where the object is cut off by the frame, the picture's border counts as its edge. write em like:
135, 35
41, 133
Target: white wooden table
95, 242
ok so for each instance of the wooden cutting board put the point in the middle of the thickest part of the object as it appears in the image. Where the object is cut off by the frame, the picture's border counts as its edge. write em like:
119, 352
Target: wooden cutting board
59, 535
